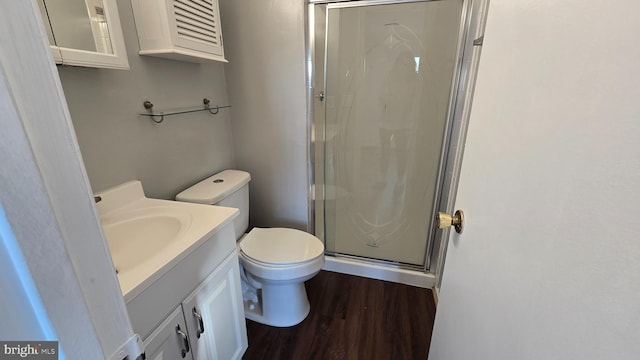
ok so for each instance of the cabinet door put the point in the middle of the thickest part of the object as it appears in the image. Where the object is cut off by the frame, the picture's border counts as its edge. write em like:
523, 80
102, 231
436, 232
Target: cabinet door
165, 342
196, 25
215, 315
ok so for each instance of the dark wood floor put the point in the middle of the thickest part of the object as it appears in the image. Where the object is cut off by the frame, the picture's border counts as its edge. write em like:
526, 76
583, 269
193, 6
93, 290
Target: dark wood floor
351, 318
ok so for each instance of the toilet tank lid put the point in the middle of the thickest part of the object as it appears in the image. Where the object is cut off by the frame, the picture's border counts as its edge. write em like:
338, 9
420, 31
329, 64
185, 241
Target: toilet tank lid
215, 188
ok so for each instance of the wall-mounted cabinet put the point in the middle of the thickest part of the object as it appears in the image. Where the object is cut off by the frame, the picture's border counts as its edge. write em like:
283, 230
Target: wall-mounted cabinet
85, 33
187, 30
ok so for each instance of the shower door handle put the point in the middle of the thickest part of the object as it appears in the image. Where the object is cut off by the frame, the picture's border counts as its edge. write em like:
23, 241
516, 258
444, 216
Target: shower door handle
444, 220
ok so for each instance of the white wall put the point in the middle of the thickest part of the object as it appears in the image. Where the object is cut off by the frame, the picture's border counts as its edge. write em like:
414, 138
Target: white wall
264, 43
265, 80
119, 145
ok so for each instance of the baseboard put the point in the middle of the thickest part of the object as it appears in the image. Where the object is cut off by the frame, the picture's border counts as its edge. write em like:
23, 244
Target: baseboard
379, 271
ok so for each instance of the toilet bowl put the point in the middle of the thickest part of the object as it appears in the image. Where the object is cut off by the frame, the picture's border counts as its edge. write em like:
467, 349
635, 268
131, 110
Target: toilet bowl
274, 262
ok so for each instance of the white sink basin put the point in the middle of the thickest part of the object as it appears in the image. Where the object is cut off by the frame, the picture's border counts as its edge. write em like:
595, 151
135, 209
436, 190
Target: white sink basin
147, 237
142, 234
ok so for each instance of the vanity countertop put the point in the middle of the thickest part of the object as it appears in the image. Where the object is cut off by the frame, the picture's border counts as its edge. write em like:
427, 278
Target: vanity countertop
148, 237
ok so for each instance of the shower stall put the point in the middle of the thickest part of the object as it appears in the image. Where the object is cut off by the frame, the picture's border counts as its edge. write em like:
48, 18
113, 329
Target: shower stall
386, 78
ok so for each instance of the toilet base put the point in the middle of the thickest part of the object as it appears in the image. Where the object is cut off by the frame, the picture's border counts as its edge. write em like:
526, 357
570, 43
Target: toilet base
279, 305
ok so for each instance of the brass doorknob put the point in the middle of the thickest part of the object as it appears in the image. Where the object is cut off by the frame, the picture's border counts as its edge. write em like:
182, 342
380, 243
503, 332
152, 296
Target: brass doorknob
445, 220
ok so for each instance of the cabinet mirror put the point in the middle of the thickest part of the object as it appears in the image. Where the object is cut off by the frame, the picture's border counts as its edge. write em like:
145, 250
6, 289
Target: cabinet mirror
84, 32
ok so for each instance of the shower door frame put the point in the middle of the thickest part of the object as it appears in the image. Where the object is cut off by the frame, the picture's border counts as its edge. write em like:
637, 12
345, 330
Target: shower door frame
470, 37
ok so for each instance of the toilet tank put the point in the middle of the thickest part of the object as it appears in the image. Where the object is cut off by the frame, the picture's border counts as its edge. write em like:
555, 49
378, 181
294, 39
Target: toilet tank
228, 188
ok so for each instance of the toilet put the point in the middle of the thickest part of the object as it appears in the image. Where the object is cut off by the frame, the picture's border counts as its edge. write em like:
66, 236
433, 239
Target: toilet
274, 262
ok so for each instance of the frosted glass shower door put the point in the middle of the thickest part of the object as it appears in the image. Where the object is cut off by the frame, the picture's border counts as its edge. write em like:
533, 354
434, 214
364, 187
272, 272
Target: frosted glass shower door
389, 71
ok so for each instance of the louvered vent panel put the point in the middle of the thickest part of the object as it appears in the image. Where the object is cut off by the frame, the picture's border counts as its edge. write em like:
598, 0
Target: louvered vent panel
196, 21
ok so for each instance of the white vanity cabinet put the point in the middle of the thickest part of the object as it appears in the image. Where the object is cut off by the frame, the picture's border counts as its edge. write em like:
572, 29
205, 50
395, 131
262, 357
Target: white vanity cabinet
84, 33
208, 325
187, 30
207, 279
215, 315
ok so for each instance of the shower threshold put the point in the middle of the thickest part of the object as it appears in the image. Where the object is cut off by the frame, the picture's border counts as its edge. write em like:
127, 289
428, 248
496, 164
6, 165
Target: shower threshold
376, 269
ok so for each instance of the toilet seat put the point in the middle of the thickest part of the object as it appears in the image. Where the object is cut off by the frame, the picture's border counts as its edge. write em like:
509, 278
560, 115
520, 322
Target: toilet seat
280, 247
268, 273
275, 266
